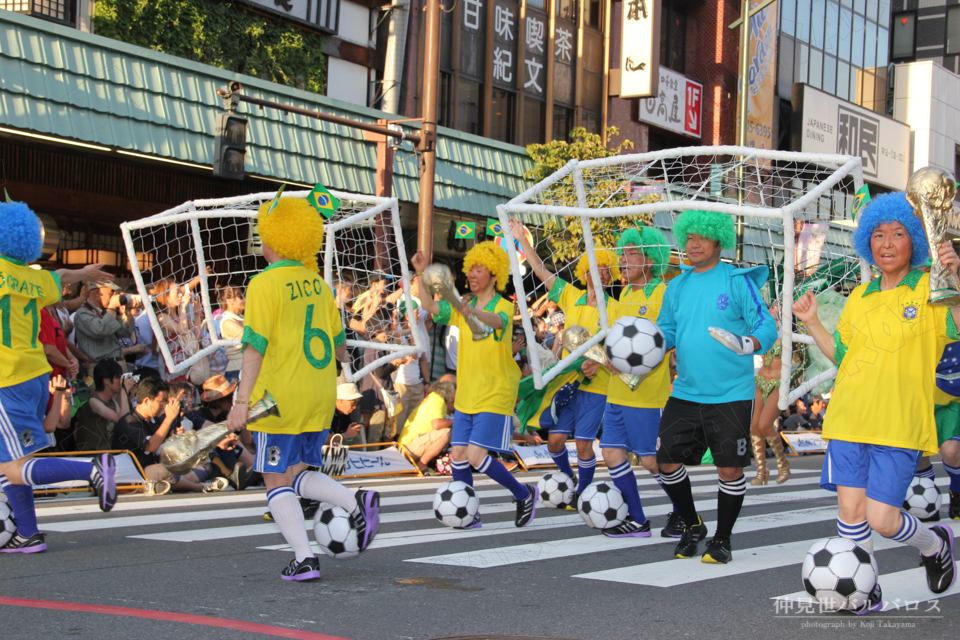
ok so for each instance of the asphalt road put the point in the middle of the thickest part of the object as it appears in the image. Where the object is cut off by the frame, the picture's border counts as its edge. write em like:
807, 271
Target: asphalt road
143, 570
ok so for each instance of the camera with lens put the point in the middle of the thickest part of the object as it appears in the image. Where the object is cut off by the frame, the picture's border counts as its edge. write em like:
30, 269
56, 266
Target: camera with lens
124, 300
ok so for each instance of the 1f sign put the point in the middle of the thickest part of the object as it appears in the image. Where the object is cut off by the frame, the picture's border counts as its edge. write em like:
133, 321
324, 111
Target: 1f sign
640, 55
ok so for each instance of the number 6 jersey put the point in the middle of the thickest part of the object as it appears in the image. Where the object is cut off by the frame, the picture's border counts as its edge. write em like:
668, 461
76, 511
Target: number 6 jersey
292, 320
23, 292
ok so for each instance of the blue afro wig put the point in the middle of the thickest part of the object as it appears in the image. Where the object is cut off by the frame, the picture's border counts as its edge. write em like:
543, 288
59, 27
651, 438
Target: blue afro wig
21, 235
890, 207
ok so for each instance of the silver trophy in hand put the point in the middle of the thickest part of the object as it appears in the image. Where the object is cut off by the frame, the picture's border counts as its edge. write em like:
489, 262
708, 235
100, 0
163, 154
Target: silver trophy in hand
438, 279
930, 192
575, 336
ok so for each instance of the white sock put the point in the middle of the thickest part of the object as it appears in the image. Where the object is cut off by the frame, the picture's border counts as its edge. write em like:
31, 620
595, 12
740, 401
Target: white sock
861, 533
913, 533
286, 512
314, 485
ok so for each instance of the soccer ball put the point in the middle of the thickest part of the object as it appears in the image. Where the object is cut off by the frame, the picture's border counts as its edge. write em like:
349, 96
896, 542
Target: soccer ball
602, 506
456, 504
839, 573
7, 526
635, 345
334, 532
923, 498
556, 490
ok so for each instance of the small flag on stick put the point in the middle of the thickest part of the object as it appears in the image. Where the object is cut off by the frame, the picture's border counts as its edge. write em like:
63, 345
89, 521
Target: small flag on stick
466, 230
860, 200
493, 228
323, 201
276, 199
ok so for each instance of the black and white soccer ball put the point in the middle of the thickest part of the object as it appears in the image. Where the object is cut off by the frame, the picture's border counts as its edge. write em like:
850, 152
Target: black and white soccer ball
334, 532
8, 527
556, 489
839, 573
635, 345
456, 504
602, 506
923, 498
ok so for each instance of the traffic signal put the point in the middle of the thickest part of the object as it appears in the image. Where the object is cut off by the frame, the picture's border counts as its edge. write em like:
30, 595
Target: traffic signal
230, 146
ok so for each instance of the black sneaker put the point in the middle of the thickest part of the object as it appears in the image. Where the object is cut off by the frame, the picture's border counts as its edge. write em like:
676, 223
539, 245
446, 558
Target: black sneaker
692, 535
629, 528
309, 569
238, 477
268, 516
103, 481
941, 568
574, 503
874, 603
310, 508
527, 508
933, 518
674, 528
366, 517
954, 512
718, 551
18, 544
476, 523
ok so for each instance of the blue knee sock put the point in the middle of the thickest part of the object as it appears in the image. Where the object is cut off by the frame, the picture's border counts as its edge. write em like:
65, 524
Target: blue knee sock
586, 469
656, 477
954, 473
625, 480
20, 498
562, 460
927, 473
496, 471
41, 471
462, 472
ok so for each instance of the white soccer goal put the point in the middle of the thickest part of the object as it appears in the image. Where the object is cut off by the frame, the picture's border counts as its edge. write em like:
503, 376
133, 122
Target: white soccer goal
212, 244
775, 196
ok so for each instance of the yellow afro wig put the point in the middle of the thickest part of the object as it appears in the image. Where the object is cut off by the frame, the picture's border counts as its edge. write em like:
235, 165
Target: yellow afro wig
293, 229
605, 258
491, 256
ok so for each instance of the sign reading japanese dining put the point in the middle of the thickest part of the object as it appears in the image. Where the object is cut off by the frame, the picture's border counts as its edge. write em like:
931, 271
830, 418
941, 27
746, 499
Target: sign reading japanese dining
506, 18
640, 54
535, 53
675, 105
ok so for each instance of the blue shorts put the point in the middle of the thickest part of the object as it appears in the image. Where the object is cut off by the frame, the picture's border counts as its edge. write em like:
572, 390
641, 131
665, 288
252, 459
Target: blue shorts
631, 428
885, 472
582, 417
22, 410
277, 452
491, 431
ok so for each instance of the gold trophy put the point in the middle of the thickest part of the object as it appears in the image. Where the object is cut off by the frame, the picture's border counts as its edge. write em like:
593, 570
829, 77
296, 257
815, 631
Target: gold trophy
438, 279
930, 192
576, 335
186, 450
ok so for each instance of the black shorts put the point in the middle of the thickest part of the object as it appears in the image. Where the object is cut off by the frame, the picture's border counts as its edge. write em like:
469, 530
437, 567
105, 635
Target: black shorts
688, 428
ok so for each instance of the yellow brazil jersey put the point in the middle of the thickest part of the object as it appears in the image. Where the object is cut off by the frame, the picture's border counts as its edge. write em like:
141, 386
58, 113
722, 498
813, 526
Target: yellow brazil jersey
652, 393
292, 320
432, 408
488, 377
888, 344
23, 292
573, 303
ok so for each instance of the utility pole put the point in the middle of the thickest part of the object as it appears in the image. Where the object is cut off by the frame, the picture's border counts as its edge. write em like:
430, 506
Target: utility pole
428, 132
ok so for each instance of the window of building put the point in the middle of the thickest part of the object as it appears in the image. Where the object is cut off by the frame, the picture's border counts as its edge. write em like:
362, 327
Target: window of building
469, 106
539, 4
567, 9
673, 35
803, 20
870, 46
883, 47
829, 74
815, 79
63, 11
859, 29
534, 121
843, 80
801, 63
594, 14
904, 35
445, 100
590, 121
845, 34
562, 122
832, 23
503, 116
788, 17
953, 30
817, 8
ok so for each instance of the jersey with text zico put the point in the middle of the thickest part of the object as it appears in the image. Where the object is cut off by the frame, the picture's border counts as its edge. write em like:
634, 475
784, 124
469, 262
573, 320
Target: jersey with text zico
888, 344
292, 320
23, 292
724, 297
573, 303
652, 393
488, 377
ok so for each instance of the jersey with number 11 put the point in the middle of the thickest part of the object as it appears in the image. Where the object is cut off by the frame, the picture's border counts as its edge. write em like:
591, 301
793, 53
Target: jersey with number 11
23, 292
292, 320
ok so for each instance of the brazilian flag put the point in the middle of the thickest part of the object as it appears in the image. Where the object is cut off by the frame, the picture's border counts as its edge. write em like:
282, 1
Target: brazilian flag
535, 402
860, 200
493, 228
323, 201
466, 230
276, 199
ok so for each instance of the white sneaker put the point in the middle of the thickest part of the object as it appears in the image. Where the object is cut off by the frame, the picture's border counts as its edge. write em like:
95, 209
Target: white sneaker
162, 488
217, 484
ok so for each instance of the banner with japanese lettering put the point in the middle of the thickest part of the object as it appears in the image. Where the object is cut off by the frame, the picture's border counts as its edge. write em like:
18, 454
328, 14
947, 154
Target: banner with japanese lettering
640, 48
535, 54
473, 38
389, 460
676, 106
564, 52
506, 15
762, 77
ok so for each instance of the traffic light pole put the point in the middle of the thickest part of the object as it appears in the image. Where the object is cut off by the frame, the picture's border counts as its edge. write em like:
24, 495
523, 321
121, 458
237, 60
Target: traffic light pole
428, 142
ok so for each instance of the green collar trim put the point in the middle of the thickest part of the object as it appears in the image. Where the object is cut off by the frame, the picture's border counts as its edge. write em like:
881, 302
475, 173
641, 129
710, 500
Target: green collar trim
582, 300
20, 263
911, 280
648, 288
491, 306
283, 263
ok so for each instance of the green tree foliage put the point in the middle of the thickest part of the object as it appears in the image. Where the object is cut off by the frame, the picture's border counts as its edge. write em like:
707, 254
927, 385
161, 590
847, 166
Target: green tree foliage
218, 33
605, 187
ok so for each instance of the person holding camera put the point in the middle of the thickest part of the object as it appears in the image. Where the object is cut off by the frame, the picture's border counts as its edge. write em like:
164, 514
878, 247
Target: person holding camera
101, 322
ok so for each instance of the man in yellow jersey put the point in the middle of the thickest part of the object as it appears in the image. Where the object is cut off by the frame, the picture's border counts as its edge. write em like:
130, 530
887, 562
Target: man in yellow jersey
632, 418
25, 379
488, 376
292, 331
582, 415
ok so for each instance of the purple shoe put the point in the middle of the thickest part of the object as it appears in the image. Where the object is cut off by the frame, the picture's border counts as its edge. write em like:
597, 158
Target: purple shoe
366, 517
309, 569
527, 508
18, 544
874, 603
104, 480
629, 528
476, 523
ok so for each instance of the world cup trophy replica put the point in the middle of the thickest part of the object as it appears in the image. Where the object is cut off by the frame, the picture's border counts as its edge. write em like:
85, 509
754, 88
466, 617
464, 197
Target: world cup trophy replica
438, 279
930, 191
575, 336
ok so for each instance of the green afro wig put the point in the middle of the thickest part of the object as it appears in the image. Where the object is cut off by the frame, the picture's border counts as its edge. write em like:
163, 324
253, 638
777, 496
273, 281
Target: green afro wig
293, 229
709, 224
494, 258
651, 243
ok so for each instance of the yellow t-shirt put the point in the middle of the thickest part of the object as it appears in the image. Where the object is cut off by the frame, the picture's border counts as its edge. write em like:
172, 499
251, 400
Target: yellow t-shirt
292, 320
573, 303
23, 292
433, 407
652, 393
888, 344
488, 377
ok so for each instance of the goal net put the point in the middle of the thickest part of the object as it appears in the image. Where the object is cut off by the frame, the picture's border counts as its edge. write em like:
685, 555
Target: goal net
209, 250
793, 214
